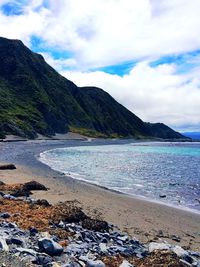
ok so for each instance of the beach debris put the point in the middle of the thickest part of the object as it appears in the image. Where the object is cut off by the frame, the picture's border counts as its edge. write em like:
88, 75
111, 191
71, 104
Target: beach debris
95, 225
7, 167
63, 235
68, 212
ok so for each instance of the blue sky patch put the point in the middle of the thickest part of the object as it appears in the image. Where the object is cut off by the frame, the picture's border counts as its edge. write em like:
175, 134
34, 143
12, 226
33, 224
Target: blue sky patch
38, 45
184, 62
14, 8
120, 69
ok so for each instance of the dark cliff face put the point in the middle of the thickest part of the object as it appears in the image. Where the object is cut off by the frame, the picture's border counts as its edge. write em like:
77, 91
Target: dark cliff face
34, 98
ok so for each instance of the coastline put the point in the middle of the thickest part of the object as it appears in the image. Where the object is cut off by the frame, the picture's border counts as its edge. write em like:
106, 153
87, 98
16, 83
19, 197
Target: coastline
140, 218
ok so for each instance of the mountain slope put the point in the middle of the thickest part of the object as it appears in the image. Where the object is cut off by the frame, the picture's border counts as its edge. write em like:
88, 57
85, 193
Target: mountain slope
34, 98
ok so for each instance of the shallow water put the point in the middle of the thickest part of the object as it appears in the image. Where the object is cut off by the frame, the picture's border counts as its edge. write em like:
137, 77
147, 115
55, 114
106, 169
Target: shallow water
146, 169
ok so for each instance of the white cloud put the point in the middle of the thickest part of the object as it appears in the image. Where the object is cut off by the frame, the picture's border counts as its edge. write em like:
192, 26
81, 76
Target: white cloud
107, 32
156, 94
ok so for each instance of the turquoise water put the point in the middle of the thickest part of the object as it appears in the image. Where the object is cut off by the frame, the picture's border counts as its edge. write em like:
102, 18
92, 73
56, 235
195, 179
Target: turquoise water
146, 169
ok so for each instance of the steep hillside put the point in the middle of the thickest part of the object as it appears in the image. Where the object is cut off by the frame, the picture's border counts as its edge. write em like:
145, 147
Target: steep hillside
34, 98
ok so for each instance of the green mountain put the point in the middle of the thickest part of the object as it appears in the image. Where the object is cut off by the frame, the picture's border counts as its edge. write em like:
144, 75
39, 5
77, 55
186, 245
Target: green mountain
34, 98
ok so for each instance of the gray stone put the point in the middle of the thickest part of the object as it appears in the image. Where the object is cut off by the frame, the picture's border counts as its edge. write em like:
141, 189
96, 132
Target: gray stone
8, 196
17, 241
185, 263
97, 263
179, 251
3, 244
43, 259
50, 247
5, 215
158, 246
103, 247
123, 238
26, 251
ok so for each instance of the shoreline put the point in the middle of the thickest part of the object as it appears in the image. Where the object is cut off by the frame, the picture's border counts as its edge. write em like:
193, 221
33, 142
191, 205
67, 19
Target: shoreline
137, 216
134, 196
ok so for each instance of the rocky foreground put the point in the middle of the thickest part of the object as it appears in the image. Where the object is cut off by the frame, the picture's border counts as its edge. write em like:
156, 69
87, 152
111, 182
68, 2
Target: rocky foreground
35, 233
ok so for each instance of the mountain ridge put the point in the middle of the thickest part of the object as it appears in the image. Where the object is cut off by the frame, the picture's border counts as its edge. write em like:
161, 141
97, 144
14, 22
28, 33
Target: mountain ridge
34, 98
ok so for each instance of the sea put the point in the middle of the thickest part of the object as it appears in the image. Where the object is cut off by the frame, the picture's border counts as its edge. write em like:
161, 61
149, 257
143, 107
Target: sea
163, 172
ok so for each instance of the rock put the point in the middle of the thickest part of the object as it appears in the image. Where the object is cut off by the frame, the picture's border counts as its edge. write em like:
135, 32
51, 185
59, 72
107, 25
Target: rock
97, 263
2, 183
176, 238
103, 247
54, 264
26, 251
179, 251
4, 215
33, 185
185, 263
72, 264
3, 244
43, 259
17, 241
50, 247
8, 196
162, 196
43, 202
33, 231
7, 167
21, 192
125, 263
12, 225
123, 238
158, 246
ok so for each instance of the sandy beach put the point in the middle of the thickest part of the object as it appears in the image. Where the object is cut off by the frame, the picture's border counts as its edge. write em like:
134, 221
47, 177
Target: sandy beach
140, 218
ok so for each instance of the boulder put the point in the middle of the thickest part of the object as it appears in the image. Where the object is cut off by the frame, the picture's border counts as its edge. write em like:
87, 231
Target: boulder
7, 167
50, 247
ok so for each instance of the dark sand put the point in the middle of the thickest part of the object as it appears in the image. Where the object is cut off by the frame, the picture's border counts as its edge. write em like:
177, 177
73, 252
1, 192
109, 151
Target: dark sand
140, 218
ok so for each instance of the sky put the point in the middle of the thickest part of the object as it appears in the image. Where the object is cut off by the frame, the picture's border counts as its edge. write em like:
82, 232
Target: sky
145, 53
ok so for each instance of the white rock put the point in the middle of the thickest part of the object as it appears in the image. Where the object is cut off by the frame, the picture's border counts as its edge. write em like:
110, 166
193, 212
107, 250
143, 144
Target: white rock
103, 247
158, 246
125, 263
179, 251
3, 244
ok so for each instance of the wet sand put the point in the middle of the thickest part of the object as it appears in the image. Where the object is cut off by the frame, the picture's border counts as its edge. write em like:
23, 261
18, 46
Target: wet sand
140, 218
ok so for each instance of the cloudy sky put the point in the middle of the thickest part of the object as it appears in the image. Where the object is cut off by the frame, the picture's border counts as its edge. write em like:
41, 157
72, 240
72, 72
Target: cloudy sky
145, 53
